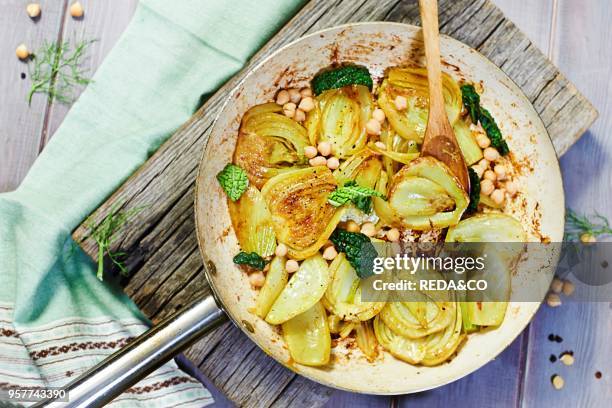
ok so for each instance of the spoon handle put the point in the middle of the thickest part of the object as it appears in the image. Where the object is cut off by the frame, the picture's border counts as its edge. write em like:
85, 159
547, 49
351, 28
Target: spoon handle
431, 35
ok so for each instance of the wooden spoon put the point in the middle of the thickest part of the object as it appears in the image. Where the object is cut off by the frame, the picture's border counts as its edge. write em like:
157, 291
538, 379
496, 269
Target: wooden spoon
440, 141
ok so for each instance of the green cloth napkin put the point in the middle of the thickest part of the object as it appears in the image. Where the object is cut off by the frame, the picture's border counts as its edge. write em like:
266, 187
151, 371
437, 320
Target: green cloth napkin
56, 318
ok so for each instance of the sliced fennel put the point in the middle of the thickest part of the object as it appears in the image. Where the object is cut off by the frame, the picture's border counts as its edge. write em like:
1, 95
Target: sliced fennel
411, 83
487, 228
302, 218
426, 350
472, 153
305, 288
252, 222
426, 195
399, 316
343, 295
366, 340
269, 143
307, 336
340, 118
363, 167
486, 308
276, 280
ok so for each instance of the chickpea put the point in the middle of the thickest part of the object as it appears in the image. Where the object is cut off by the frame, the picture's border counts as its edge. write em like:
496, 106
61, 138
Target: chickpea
318, 161
257, 279
22, 52
568, 288
76, 10
381, 145
498, 196
307, 104
282, 97
490, 175
401, 103
483, 141
310, 152
511, 188
324, 148
281, 250
556, 285
352, 226
500, 170
33, 10
300, 116
333, 163
479, 170
491, 154
368, 228
330, 253
484, 163
486, 187
289, 109
292, 265
294, 95
379, 115
553, 300
305, 92
567, 359
290, 106
393, 235
373, 127
558, 381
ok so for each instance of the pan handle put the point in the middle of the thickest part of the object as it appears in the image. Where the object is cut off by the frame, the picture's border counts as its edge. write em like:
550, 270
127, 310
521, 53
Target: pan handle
152, 349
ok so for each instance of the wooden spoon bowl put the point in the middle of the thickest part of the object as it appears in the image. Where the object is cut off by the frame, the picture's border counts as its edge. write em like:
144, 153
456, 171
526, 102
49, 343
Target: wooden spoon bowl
440, 141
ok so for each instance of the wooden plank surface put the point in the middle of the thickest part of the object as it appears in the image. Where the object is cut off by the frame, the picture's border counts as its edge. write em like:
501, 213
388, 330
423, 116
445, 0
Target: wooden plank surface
21, 125
163, 256
582, 48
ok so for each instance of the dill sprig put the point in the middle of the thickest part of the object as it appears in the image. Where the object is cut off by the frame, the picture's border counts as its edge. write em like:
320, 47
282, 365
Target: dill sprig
104, 234
577, 225
56, 70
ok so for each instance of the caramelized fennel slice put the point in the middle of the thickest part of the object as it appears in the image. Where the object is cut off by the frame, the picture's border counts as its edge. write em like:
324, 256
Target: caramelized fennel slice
302, 218
252, 223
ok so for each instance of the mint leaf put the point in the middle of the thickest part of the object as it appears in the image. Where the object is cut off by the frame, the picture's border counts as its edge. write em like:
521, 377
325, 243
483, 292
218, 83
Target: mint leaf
359, 250
251, 259
363, 203
233, 180
358, 195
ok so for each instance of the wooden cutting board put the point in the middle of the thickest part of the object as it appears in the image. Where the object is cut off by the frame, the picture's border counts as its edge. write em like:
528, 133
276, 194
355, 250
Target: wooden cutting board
166, 270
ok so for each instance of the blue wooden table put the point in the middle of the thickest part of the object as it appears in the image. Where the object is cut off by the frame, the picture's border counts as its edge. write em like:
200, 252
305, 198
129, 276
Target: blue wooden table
575, 34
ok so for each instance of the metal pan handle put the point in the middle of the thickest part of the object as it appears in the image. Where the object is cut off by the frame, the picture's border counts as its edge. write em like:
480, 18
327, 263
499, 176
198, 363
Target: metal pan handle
152, 349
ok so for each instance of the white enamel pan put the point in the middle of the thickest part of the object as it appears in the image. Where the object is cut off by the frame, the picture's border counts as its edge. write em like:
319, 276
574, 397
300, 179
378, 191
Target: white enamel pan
377, 45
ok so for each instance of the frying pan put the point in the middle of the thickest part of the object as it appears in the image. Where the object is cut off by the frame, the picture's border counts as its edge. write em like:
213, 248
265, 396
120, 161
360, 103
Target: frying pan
539, 207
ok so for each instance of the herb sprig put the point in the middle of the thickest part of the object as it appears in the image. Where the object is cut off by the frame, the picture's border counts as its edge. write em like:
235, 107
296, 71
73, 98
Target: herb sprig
56, 70
251, 259
104, 234
358, 195
579, 226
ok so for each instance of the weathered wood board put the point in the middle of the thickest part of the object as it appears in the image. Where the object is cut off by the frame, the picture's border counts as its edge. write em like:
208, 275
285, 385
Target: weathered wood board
163, 256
